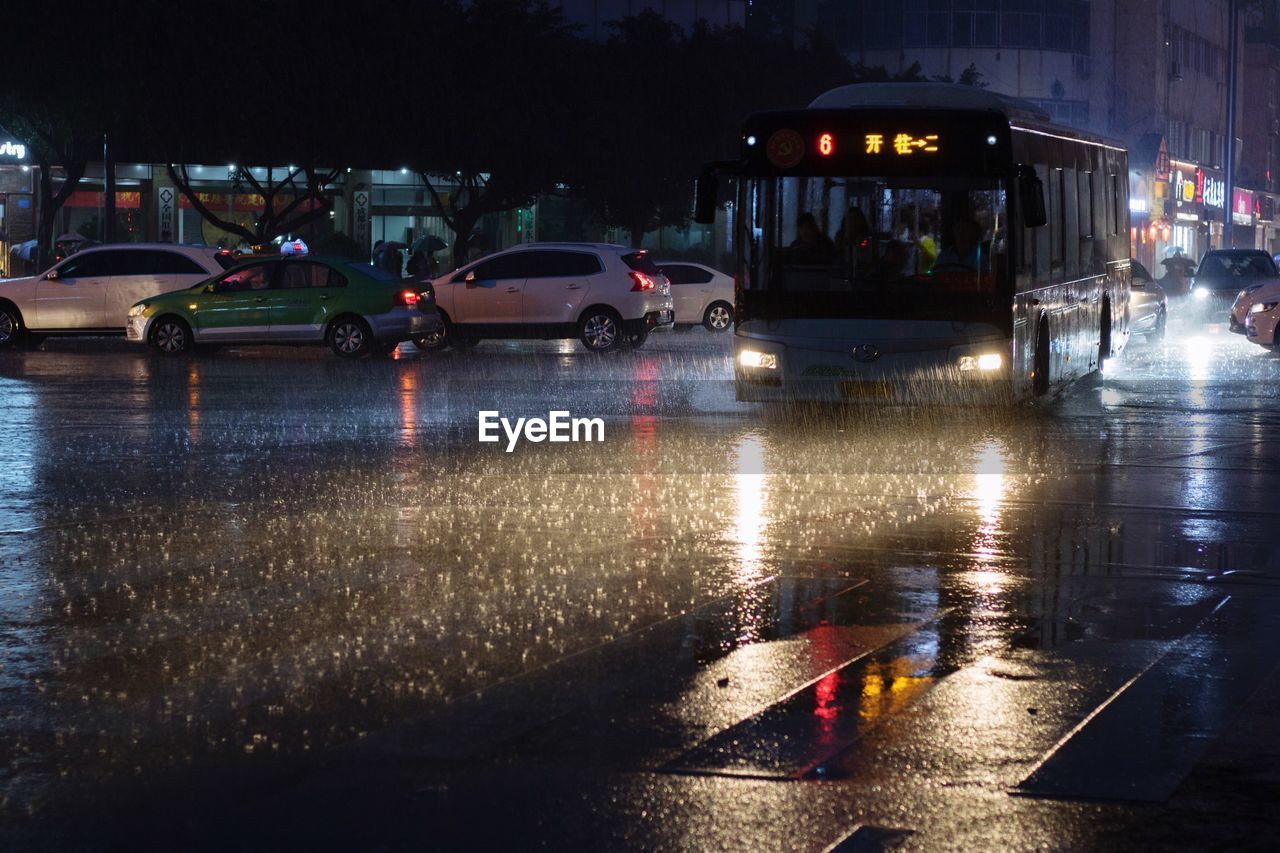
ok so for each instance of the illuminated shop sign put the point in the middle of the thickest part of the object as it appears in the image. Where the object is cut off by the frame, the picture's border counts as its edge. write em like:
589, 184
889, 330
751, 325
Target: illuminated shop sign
1242, 206
1213, 191
13, 151
1193, 185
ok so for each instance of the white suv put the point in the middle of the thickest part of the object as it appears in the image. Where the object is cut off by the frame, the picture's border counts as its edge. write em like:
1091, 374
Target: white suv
604, 295
90, 292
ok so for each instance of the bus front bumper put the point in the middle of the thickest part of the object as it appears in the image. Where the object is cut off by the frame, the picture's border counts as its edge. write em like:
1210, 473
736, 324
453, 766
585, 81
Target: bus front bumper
968, 374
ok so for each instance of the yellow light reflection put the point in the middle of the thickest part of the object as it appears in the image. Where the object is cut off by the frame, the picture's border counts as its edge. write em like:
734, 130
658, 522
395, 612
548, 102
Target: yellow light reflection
988, 493
193, 401
408, 408
888, 688
750, 494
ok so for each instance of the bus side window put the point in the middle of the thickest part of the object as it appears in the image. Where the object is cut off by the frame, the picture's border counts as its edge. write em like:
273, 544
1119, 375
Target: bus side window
1071, 222
1057, 215
1099, 182
1042, 235
1086, 204
1120, 205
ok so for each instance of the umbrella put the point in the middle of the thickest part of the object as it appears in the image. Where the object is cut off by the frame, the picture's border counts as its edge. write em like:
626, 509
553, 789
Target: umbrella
71, 237
26, 251
429, 243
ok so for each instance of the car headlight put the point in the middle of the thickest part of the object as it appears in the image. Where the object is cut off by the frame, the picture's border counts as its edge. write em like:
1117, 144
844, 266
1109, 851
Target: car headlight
1259, 307
1201, 292
138, 310
757, 359
986, 361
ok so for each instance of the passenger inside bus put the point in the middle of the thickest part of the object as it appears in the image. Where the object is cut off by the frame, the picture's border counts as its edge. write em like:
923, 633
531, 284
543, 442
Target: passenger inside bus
811, 247
965, 250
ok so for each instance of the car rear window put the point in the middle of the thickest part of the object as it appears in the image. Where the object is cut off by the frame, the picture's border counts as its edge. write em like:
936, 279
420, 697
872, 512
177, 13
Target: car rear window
685, 274
641, 262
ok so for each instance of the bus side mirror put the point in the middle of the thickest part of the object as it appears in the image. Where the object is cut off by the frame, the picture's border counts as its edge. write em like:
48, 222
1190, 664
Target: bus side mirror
706, 192
1031, 198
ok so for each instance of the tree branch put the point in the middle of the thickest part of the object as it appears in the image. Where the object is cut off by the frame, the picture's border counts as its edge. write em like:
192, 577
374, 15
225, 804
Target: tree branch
183, 183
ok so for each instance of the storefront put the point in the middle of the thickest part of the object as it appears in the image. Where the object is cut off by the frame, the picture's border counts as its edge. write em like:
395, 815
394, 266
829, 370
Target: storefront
17, 205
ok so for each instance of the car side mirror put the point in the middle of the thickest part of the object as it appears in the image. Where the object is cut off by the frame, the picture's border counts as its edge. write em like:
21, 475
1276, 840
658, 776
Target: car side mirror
1031, 198
470, 278
51, 275
706, 193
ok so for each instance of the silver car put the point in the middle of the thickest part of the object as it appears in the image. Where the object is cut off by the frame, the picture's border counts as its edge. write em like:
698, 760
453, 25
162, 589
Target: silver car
1148, 304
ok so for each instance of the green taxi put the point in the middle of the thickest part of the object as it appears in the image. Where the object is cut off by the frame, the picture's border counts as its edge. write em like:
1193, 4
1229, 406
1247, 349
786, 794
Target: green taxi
355, 308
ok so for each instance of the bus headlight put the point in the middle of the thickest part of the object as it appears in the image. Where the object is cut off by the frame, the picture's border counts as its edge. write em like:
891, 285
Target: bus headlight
1259, 307
986, 361
759, 360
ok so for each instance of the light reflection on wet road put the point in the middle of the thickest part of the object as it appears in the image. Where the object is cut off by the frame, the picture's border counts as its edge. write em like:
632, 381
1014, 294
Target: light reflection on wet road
271, 580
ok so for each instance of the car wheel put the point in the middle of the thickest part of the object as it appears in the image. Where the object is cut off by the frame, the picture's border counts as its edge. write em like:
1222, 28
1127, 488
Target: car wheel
1162, 320
171, 336
600, 330
350, 337
719, 317
437, 339
10, 327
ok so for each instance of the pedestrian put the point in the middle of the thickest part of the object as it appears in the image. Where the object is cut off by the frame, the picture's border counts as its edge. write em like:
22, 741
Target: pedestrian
416, 265
431, 266
1176, 280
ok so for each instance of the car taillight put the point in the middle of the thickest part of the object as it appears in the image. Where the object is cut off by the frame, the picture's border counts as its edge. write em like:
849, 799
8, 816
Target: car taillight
642, 282
407, 298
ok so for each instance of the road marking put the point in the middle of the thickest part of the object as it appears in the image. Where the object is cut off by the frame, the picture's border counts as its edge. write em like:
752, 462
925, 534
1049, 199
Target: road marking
1141, 742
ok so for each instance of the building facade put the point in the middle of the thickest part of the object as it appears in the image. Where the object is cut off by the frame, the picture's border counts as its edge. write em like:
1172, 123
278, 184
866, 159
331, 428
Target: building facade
1150, 73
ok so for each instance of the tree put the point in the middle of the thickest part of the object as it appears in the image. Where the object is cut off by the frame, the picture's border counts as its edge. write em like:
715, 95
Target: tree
285, 207
508, 135
641, 138
651, 132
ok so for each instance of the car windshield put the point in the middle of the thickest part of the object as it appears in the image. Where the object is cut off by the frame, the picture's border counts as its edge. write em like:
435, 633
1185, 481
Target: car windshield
1236, 265
875, 236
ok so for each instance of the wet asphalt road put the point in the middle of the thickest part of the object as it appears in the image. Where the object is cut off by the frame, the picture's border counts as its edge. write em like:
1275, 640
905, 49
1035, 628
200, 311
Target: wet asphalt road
268, 598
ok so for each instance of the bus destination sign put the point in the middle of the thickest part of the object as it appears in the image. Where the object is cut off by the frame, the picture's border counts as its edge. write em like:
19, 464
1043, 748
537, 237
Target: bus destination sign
903, 143
879, 142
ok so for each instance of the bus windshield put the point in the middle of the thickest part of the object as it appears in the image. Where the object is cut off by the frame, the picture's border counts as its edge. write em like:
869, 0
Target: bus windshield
876, 237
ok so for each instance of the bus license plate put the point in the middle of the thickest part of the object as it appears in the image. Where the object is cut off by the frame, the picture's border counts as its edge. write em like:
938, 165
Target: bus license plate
865, 390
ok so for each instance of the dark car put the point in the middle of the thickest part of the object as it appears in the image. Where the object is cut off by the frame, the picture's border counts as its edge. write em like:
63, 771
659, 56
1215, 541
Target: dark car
1222, 274
1148, 304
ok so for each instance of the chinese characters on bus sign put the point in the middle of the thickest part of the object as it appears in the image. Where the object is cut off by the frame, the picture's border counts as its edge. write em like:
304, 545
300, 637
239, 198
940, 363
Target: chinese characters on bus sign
902, 144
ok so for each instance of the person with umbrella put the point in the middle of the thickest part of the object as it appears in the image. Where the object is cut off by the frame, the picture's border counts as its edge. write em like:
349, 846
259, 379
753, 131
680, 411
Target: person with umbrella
422, 263
1178, 270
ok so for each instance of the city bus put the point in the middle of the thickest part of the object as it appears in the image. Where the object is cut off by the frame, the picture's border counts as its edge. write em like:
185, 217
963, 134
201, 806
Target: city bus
918, 242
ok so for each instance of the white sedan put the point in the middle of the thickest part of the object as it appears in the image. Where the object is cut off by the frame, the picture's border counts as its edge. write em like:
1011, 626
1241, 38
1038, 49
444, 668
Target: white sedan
702, 295
1261, 314
90, 292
